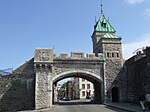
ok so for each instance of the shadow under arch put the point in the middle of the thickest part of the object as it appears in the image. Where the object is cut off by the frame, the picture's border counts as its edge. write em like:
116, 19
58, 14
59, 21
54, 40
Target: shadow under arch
96, 79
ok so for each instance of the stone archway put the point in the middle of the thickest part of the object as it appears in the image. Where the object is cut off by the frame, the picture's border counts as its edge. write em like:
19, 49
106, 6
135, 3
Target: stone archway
95, 79
50, 69
78, 73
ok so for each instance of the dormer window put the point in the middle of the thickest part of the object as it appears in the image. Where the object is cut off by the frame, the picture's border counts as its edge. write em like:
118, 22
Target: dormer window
103, 25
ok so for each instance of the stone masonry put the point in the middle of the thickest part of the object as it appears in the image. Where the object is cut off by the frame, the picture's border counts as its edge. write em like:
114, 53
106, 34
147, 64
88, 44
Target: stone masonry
17, 91
31, 86
51, 69
138, 71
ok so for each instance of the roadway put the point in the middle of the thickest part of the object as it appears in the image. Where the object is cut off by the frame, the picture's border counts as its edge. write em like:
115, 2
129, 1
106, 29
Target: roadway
82, 106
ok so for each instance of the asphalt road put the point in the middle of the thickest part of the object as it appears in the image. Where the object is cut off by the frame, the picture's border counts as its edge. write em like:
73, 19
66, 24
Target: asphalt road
82, 106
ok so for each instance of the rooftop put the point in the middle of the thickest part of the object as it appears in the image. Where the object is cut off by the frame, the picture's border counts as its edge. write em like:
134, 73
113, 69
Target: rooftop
103, 25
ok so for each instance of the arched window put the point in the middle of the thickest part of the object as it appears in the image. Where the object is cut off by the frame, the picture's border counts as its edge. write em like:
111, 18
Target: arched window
117, 55
113, 55
108, 55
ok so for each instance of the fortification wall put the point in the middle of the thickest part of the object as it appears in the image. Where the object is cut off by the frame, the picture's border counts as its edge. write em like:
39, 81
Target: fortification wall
17, 89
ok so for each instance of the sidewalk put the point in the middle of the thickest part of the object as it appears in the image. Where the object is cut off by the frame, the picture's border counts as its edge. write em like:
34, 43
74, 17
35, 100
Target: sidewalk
42, 110
130, 107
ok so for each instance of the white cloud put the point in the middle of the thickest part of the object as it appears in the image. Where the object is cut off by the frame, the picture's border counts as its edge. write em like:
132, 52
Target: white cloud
147, 12
129, 48
134, 1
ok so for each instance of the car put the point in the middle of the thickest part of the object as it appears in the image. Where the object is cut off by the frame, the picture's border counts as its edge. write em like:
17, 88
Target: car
65, 99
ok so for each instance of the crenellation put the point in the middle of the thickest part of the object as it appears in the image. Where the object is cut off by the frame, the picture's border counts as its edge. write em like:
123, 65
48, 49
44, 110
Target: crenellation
43, 55
101, 56
92, 55
77, 54
63, 55
80, 56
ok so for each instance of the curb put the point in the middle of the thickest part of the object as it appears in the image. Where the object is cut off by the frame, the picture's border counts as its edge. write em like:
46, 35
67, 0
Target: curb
120, 108
41, 110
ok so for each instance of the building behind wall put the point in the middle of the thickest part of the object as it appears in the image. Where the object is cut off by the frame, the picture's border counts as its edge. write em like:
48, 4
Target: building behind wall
83, 88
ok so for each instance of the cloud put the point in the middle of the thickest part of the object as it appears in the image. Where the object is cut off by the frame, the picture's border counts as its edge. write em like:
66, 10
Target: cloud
147, 12
134, 1
129, 48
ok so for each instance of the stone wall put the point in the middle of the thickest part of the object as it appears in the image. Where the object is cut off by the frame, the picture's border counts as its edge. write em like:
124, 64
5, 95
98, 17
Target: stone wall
138, 75
17, 89
62, 66
43, 89
50, 69
112, 50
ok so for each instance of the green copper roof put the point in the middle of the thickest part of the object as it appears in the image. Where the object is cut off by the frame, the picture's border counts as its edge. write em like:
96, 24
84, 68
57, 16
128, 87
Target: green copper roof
108, 35
103, 25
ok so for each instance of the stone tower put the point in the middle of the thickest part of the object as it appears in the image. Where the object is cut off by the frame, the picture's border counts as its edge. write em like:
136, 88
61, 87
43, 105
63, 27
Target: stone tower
105, 41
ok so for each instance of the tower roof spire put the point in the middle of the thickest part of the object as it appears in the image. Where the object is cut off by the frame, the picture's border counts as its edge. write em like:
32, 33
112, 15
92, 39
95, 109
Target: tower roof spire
101, 8
103, 25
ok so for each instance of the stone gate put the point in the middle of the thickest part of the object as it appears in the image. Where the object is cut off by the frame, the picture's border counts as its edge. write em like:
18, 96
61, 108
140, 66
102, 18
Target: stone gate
33, 82
50, 69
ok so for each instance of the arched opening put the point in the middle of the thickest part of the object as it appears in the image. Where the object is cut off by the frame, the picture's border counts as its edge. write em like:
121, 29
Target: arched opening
95, 79
115, 94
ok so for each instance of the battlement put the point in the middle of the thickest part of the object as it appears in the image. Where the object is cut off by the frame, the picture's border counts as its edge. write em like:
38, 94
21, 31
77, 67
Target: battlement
47, 55
43, 55
80, 55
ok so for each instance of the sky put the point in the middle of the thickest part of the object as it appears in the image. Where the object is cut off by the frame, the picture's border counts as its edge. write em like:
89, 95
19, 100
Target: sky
66, 26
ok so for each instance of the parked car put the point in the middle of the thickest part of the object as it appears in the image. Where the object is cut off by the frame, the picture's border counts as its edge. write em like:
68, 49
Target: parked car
66, 99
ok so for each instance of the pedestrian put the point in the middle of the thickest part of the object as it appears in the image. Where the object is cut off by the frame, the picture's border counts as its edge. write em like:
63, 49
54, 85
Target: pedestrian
148, 100
142, 101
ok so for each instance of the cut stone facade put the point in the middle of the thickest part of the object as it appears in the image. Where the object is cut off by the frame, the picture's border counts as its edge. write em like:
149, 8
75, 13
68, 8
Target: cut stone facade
138, 75
106, 42
49, 72
17, 91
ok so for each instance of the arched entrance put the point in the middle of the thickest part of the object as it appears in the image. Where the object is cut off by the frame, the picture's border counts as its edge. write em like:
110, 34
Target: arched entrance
115, 94
50, 69
95, 79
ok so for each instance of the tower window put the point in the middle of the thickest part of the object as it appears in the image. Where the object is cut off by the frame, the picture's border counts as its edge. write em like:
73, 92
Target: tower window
117, 55
103, 25
108, 55
112, 55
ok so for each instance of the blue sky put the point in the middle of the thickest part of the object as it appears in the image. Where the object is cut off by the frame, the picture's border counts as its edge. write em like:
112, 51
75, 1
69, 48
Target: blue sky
67, 25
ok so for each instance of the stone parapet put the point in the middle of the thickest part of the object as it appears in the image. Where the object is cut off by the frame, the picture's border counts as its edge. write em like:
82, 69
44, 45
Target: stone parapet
80, 56
47, 55
43, 55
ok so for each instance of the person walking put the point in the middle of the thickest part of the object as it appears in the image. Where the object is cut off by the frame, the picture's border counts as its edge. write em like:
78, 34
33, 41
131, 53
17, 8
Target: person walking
148, 100
142, 101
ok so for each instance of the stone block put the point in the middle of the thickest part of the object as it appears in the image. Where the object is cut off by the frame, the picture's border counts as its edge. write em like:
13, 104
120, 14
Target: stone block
90, 55
63, 55
78, 55
43, 55
100, 55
